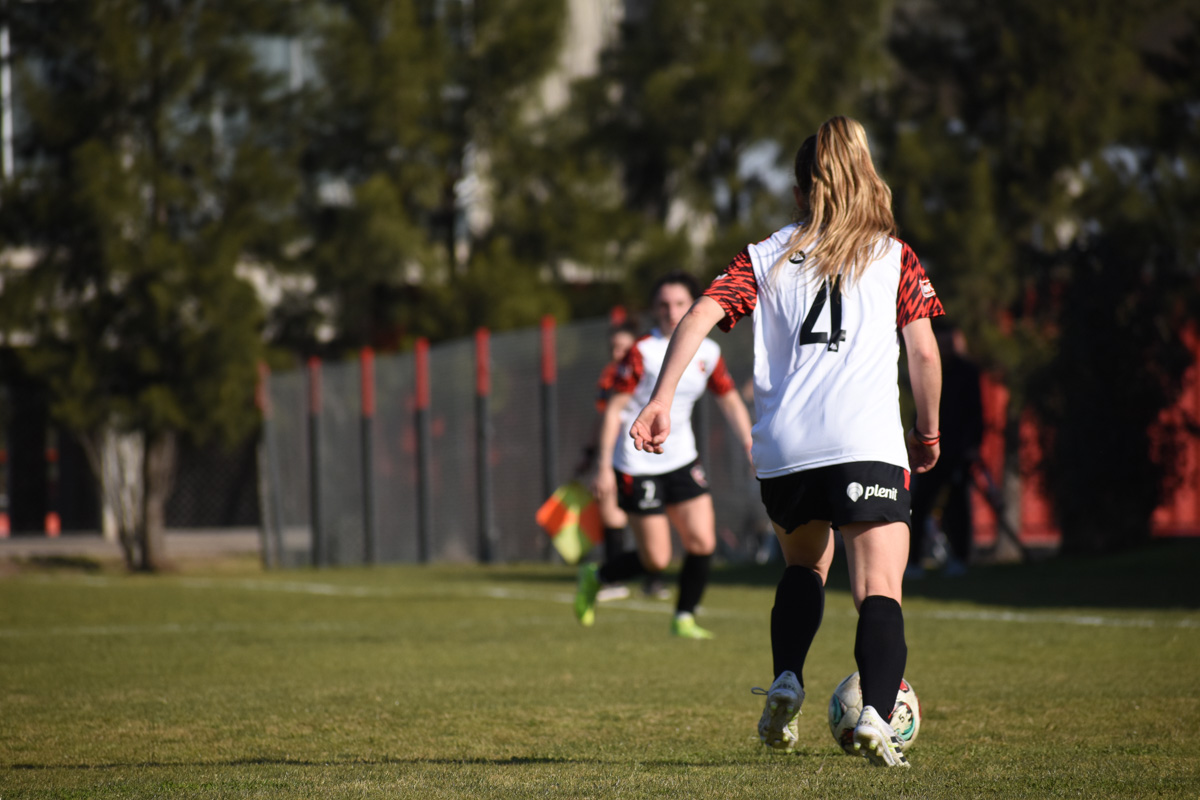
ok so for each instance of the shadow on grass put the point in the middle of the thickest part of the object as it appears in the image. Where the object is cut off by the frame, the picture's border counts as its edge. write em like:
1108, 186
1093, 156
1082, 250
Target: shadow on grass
1159, 575
511, 761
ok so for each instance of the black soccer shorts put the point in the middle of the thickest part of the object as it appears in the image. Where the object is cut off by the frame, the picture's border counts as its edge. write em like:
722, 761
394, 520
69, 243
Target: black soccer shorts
651, 494
862, 491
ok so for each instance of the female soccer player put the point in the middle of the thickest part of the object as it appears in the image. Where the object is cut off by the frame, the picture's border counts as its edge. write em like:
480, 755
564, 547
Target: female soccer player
621, 337
671, 489
831, 296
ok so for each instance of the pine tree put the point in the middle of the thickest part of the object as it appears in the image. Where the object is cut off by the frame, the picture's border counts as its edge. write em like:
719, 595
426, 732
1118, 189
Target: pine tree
149, 178
410, 99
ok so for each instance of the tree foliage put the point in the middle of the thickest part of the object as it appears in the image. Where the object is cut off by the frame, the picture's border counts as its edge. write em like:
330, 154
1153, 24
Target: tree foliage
150, 175
408, 95
1043, 159
701, 104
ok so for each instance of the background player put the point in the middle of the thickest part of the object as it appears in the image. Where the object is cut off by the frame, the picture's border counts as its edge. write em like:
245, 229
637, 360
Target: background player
829, 296
948, 483
621, 336
660, 491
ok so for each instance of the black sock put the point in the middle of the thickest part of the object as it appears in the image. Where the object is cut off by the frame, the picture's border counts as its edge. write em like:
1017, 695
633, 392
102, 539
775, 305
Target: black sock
795, 618
880, 651
614, 543
622, 568
692, 580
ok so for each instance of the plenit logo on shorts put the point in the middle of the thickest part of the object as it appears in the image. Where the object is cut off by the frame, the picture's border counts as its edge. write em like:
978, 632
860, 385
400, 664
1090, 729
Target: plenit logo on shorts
855, 490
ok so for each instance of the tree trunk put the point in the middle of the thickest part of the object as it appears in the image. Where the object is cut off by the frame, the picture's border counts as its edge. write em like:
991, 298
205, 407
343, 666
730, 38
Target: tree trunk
158, 472
117, 461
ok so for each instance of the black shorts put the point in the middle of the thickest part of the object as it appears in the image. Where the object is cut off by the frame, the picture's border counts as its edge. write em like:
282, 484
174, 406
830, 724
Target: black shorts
651, 494
863, 491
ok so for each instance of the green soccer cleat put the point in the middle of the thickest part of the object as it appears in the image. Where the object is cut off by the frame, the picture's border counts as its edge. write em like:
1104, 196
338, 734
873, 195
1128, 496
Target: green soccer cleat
585, 595
684, 626
779, 726
875, 740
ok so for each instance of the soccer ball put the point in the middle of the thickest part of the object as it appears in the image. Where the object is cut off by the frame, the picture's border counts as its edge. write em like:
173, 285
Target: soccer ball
846, 705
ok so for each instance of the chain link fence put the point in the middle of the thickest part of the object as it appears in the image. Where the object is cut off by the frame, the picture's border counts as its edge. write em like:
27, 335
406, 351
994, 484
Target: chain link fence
487, 468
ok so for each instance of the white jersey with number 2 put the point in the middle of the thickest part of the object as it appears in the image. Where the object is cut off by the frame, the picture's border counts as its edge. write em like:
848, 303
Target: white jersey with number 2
637, 375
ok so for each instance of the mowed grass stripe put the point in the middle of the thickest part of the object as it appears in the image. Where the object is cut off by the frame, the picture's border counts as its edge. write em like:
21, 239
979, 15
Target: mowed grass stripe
913, 610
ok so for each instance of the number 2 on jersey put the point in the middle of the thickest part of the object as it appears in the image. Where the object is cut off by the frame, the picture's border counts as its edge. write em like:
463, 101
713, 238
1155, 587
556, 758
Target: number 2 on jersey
808, 335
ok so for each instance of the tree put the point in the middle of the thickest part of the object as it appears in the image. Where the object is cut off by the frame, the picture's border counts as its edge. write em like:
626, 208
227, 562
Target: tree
1043, 161
695, 92
151, 181
411, 99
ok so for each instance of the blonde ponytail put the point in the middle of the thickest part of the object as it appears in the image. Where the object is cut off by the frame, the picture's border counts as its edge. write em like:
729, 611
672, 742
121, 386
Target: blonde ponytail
847, 211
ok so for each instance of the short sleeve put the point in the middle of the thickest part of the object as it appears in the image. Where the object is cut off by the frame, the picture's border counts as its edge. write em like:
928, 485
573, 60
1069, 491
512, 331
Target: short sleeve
604, 388
629, 372
735, 290
720, 381
916, 298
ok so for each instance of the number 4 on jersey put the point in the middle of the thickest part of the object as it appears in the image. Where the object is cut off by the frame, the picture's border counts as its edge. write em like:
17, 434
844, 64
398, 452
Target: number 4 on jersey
808, 335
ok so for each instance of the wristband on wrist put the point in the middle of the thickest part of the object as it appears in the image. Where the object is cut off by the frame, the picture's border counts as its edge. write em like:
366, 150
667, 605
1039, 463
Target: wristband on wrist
928, 441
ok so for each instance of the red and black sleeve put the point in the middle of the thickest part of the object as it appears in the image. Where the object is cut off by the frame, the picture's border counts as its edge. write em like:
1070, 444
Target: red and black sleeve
735, 289
720, 381
629, 372
916, 298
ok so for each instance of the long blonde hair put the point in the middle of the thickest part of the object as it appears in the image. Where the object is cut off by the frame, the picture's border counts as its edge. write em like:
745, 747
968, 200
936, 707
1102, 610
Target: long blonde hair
847, 209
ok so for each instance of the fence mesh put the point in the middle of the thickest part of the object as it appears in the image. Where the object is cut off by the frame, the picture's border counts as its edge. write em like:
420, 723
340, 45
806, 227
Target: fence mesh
514, 459
395, 459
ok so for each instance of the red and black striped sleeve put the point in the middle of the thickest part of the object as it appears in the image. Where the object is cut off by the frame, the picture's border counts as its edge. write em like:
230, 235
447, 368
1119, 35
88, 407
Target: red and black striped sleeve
735, 289
916, 298
604, 388
720, 381
630, 371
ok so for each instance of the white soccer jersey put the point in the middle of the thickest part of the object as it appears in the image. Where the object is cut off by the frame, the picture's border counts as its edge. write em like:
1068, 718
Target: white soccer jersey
637, 375
825, 362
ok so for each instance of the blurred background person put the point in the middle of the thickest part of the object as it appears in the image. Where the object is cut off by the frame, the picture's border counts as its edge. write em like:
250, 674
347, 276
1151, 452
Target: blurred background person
621, 336
945, 490
659, 492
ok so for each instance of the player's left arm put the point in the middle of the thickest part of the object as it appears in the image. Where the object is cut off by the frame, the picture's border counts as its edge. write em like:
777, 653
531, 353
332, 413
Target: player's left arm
916, 304
653, 424
721, 384
738, 416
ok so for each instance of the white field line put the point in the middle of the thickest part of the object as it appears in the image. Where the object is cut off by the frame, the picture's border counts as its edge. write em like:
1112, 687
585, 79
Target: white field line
503, 593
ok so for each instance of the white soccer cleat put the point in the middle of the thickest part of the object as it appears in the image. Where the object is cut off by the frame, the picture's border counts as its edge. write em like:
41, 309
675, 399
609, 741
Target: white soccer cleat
612, 591
875, 740
779, 727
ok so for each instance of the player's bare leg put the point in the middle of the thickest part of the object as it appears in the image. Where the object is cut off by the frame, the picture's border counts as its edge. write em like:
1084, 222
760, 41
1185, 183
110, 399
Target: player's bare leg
653, 534
877, 553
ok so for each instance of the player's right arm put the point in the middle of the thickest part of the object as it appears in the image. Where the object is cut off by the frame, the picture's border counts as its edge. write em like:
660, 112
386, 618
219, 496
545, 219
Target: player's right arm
653, 424
604, 483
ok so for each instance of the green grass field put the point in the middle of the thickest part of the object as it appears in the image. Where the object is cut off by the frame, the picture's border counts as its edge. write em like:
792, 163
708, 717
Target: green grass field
1067, 678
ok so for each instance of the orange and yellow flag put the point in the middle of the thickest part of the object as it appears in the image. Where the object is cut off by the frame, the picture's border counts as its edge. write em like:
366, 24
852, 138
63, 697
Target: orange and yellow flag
572, 519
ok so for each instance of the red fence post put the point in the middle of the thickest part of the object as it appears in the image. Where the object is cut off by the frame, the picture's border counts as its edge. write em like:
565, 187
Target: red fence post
367, 379
483, 443
549, 406
424, 450
53, 523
